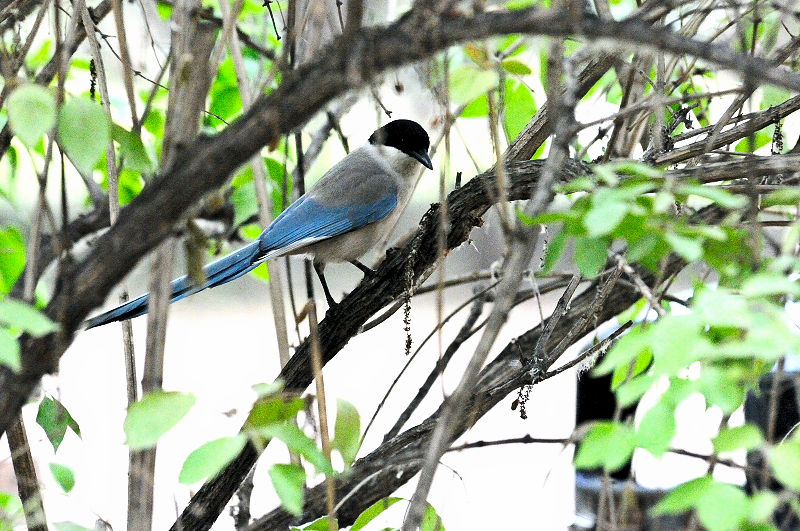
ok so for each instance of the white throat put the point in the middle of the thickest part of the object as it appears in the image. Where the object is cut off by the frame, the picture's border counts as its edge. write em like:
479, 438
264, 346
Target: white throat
400, 163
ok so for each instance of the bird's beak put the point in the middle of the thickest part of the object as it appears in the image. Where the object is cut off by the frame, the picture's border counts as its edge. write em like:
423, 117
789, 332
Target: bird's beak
423, 158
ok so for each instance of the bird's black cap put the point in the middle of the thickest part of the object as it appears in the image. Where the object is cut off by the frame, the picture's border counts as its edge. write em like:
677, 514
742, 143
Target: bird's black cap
407, 136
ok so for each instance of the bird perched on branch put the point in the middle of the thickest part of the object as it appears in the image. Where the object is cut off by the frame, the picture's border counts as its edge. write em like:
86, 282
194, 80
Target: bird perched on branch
350, 209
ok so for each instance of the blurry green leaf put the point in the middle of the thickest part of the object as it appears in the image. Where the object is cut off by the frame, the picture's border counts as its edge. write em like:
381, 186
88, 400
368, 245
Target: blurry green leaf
608, 445
516, 67
12, 258
153, 416
683, 497
784, 196
266, 389
722, 506
347, 431
772, 96
164, 10
689, 249
762, 505
206, 461
132, 148
63, 476
604, 217
554, 250
477, 108
83, 130
590, 255
261, 272
714, 193
766, 284
54, 419
300, 443
70, 526
373, 511
9, 350
274, 409
431, 521
745, 437
626, 349
37, 59
762, 138
657, 429
520, 107
320, 524
17, 314
785, 462
31, 113
468, 82
289, 482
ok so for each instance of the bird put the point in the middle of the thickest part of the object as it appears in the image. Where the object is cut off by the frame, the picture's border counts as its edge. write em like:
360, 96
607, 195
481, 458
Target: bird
353, 206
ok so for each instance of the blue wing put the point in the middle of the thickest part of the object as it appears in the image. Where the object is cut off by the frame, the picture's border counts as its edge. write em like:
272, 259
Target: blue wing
305, 221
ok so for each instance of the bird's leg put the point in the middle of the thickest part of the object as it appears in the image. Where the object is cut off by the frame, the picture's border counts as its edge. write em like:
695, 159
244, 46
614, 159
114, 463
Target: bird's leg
368, 272
318, 267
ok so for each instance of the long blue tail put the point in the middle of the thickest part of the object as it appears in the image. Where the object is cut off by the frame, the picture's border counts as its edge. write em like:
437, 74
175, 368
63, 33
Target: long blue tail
219, 272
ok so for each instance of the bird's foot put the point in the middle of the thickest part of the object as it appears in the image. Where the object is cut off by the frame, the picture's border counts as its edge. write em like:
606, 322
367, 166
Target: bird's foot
368, 271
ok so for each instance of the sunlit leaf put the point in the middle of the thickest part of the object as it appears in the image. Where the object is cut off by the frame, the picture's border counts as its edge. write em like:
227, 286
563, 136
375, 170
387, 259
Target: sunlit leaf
31, 113
154, 415
63, 476
289, 482
372, 512
83, 131
347, 431
206, 461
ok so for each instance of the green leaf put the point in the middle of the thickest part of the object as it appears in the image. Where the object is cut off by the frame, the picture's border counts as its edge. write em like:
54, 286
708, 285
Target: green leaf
520, 107
63, 476
714, 193
54, 419
683, 497
657, 429
133, 150
766, 284
784, 196
84, 131
608, 445
516, 67
267, 389
320, 524
690, 249
371, 512
209, 459
300, 443
289, 482
590, 255
722, 506
744, 437
468, 82
22, 316
9, 350
153, 416
477, 108
785, 462
431, 521
12, 258
347, 431
762, 505
31, 113
604, 217
70, 526
273, 409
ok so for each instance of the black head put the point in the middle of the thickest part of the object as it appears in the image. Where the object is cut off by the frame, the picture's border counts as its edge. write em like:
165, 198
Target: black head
407, 136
